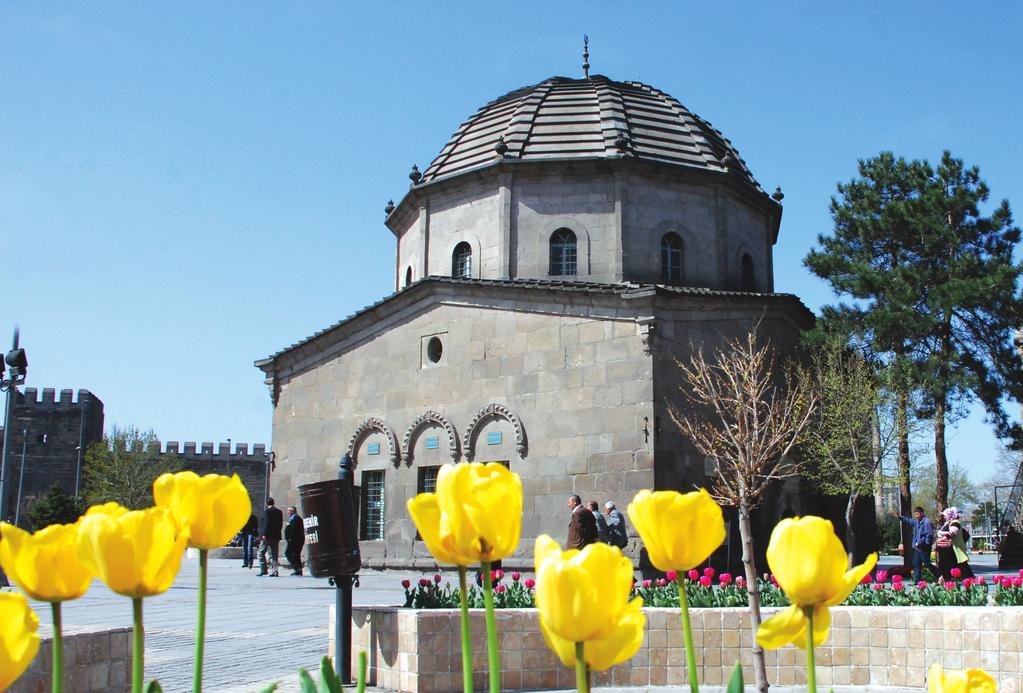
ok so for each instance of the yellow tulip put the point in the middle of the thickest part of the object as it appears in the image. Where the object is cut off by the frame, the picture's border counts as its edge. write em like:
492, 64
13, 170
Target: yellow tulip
475, 516
45, 565
111, 508
426, 514
19, 640
679, 530
616, 647
136, 553
809, 562
969, 681
212, 508
583, 596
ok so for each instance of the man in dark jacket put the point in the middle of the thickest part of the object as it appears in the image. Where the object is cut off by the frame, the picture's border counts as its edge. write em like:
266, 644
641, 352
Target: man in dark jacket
923, 538
617, 536
270, 538
582, 528
294, 534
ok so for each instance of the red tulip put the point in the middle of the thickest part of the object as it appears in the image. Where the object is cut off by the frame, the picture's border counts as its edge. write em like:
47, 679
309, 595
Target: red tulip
709, 572
672, 575
694, 574
1017, 582
896, 578
898, 586
774, 580
950, 585
881, 576
725, 578
436, 578
955, 572
968, 582
530, 583
516, 576
500, 588
406, 584
866, 579
921, 585
424, 582
498, 574
705, 581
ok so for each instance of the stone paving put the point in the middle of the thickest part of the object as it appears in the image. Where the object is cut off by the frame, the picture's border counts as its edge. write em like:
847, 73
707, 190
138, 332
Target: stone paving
259, 629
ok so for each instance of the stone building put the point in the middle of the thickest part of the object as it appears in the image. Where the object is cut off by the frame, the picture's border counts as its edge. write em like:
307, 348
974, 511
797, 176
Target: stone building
571, 241
50, 434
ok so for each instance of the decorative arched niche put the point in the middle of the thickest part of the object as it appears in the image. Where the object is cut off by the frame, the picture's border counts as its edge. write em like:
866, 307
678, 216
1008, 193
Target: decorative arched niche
480, 420
368, 426
423, 421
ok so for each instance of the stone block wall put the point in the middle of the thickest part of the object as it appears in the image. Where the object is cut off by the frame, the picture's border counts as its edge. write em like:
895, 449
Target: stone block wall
94, 662
420, 651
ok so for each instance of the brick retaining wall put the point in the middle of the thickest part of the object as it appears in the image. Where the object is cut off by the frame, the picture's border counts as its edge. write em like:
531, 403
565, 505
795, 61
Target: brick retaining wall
420, 651
95, 662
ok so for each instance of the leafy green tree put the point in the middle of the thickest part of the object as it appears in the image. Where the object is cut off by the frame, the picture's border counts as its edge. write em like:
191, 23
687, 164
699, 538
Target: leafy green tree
849, 434
54, 508
123, 466
934, 289
962, 491
984, 517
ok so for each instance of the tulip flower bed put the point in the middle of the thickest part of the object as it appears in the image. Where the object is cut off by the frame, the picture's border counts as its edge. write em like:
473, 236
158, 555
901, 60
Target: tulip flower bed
708, 589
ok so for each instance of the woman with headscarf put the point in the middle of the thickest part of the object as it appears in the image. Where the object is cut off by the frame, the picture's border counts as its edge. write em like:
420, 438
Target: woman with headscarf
951, 546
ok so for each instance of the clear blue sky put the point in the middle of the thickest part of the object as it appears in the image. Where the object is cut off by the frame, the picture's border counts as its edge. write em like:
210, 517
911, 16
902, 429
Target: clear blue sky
188, 187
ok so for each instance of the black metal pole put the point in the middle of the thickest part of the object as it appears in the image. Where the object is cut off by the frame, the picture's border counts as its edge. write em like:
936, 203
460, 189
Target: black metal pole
343, 628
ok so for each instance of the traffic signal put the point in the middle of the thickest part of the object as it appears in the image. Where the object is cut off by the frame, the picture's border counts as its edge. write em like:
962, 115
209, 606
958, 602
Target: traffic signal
18, 362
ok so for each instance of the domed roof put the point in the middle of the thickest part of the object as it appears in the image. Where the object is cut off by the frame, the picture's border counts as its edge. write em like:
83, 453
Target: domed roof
594, 117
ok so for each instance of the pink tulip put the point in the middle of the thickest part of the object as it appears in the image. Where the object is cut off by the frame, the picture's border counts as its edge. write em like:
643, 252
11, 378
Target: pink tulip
1017, 582
981, 580
725, 578
530, 583
705, 581
881, 576
694, 574
1021, 572
740, 581
968, 582
671, 575
774, 580
647, 583
877, 587
497, 575
955, 572
709, 572
406, 584
500, 588
896, 578
950, 585
921, 585
661, 582
898, 586
516, 576
866, 579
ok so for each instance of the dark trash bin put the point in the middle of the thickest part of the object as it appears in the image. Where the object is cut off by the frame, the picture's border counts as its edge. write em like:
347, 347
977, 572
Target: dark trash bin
330, 529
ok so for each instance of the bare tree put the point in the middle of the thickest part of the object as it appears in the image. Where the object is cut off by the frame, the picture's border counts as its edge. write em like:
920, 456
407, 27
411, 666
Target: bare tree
747, 418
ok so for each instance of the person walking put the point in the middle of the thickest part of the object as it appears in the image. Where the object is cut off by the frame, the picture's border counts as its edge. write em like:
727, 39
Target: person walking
248, 539
617, 536
602, 535
270, 538
294, 534
923, 538
582, 528
952, 546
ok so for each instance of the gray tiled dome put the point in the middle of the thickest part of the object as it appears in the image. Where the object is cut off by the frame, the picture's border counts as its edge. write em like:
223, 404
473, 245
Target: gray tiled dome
594, 117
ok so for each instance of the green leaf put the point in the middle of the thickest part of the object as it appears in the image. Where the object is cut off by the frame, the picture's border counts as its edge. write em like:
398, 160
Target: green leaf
308, 686
154, 687
331, 682
735, 681
271, 688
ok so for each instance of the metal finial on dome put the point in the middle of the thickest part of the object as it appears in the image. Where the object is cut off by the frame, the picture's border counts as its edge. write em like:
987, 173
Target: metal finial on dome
777, 195
389, 208
586, 56
501, 147
415, 176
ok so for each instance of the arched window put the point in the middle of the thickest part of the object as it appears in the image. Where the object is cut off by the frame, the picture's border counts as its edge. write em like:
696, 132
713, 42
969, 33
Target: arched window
563, 253
408, 276
671, 259
748, 277
461, 261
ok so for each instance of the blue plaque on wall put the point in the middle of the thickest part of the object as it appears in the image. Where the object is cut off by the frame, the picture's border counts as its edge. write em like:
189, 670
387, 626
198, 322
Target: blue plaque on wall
432, 442
373, 449
494, 438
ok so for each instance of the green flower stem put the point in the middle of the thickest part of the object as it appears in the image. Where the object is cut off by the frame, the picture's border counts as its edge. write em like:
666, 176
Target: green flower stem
137, 646
493, 657
200, 628
582, 679
463, 602
811, 667
687, 630
58, 649
360, 683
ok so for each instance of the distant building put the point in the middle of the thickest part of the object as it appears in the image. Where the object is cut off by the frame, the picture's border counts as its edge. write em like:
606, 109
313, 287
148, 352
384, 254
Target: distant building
50, 435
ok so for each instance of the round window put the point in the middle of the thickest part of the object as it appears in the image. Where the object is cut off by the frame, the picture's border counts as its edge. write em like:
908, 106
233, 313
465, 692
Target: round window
434, 350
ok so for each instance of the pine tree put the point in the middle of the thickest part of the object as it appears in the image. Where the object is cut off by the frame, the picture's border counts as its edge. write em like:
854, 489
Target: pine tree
54, 508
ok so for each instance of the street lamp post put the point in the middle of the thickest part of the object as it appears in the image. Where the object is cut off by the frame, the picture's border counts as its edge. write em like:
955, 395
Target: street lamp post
271, 463
17, 364
21, 478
